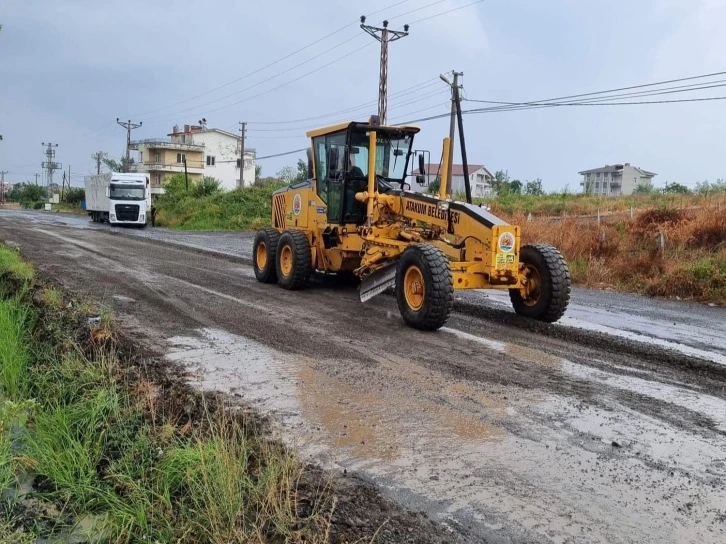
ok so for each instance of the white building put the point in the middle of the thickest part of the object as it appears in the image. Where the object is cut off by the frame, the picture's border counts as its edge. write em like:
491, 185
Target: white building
221, 157
617, 179
479, 179
199, 151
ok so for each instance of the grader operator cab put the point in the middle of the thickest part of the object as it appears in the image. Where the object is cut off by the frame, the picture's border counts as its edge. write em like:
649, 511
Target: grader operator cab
355, 215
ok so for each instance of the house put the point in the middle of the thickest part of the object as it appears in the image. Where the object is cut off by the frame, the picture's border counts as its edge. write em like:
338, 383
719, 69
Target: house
617, 179
479, 178
207, 152
164, 157
221, 157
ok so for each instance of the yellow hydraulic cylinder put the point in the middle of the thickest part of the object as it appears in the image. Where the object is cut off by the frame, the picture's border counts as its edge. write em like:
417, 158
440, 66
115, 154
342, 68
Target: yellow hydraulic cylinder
444, 173
371, 173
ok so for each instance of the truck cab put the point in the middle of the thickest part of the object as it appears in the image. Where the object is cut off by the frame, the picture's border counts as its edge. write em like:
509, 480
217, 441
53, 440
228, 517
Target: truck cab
129, 199
119, 199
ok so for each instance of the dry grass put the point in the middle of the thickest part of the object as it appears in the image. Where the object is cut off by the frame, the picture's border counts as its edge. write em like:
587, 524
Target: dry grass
624, 253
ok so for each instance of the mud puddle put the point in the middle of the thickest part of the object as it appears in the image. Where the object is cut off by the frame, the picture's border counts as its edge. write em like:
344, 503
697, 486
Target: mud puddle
504, 463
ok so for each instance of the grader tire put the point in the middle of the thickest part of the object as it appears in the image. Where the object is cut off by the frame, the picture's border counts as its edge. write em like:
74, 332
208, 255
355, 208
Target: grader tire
424, 287
264, 255
294, 260
546, 266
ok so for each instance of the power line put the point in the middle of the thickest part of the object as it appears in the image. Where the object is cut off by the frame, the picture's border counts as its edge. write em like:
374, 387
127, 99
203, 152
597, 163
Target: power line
657, 84
423, 85
245, 76
397, 106
173, 115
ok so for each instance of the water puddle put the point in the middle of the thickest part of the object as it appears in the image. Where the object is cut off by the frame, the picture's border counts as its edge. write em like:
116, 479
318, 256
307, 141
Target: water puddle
514, 463
629, 335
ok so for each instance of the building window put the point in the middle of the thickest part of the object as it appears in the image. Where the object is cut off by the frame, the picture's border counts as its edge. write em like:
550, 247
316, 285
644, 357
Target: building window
157, 157
141, 156
238, 162
210, 160
181, 158
597, 186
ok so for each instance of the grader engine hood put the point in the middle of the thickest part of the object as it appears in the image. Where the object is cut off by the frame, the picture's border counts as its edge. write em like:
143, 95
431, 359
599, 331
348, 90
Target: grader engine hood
480, 245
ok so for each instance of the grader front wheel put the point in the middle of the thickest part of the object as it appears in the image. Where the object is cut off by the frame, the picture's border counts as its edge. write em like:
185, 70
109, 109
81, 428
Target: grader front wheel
546, 284
424, 287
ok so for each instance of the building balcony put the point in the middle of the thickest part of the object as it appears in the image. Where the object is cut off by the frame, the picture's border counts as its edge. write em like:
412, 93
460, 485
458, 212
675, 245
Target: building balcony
165, 143
193, 167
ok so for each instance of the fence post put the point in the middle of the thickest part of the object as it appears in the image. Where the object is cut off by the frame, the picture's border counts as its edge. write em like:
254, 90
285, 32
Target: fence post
598, 216
660, 241
529, 217
631, 212
602, 239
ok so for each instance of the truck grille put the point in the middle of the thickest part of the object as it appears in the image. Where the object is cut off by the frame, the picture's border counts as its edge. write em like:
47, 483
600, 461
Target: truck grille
127, 212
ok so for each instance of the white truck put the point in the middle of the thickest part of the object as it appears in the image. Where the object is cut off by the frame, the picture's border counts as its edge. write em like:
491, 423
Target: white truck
120, 199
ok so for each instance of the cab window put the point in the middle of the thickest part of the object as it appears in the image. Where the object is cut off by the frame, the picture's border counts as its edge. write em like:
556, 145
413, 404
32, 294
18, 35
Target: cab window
321, 167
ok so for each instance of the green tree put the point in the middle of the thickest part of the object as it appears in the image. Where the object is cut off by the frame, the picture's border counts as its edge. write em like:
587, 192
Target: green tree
302, 170
117, 166
676, 188
258, 172
501, 178
534, 187
74, 195
27, 193
515, 187
434, 186
644, 189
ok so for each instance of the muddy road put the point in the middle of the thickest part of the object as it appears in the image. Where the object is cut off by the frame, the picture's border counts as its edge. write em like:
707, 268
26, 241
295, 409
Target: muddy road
609, 427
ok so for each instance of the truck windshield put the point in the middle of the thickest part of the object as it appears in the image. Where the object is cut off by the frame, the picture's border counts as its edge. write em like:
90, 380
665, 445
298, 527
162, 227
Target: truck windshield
392, 150
126, 192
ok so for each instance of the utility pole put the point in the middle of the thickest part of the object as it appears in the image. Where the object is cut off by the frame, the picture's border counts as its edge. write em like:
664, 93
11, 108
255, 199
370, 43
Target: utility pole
36, 179
98, 157
2, 186
243, 130
452, 125
386, 36
50, 165
129, 126
456, 111
186, 176
464, 162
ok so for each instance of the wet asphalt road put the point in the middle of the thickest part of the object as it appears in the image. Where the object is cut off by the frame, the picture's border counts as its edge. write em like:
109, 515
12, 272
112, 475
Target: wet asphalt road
507, 430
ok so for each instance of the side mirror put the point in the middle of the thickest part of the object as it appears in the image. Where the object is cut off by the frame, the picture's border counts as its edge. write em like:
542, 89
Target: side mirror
406, 186
333, 156
310, 163
421, 166
421, 180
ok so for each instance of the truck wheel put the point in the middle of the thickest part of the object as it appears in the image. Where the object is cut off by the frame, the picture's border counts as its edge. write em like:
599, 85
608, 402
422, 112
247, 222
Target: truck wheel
424, 287
547, 291
294, 260
264, 251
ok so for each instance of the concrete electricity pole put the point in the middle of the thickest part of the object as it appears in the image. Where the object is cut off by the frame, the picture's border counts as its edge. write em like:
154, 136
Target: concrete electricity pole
386, 36
129, 126
243, 130
452, 124
50, 165
2, 185
36, 179
456, 115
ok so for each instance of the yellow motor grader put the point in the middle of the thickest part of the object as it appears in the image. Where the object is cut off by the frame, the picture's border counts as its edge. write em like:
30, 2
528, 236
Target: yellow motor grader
357, 215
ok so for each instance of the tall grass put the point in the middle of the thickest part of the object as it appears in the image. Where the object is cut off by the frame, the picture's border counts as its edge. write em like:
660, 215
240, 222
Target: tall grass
104, 442
623, 253
203, 207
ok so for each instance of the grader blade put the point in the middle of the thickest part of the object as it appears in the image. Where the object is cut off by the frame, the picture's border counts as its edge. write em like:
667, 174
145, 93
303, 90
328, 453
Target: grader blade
377, 282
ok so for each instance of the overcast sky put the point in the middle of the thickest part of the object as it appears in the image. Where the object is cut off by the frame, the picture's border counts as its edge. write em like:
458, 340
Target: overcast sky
68, 69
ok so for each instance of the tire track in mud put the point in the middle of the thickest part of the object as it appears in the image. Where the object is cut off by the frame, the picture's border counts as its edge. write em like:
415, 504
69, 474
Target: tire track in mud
497, 425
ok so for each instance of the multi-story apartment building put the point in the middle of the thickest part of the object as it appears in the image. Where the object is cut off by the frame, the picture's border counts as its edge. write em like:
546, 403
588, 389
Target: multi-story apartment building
617, 179
207, 152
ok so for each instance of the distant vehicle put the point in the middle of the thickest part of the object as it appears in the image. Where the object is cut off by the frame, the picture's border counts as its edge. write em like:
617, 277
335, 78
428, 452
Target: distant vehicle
119, 199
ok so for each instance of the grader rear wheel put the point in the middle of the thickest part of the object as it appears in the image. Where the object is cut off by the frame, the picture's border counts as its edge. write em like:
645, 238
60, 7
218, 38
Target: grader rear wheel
264, 251
424, 287
294, 260
546, 290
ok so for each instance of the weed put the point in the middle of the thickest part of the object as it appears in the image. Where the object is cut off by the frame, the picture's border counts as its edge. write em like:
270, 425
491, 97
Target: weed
12, 265
14, 353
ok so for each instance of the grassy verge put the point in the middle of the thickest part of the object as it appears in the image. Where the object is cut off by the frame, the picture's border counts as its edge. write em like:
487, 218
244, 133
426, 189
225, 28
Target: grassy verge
624, 253
117, 451
207, 209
